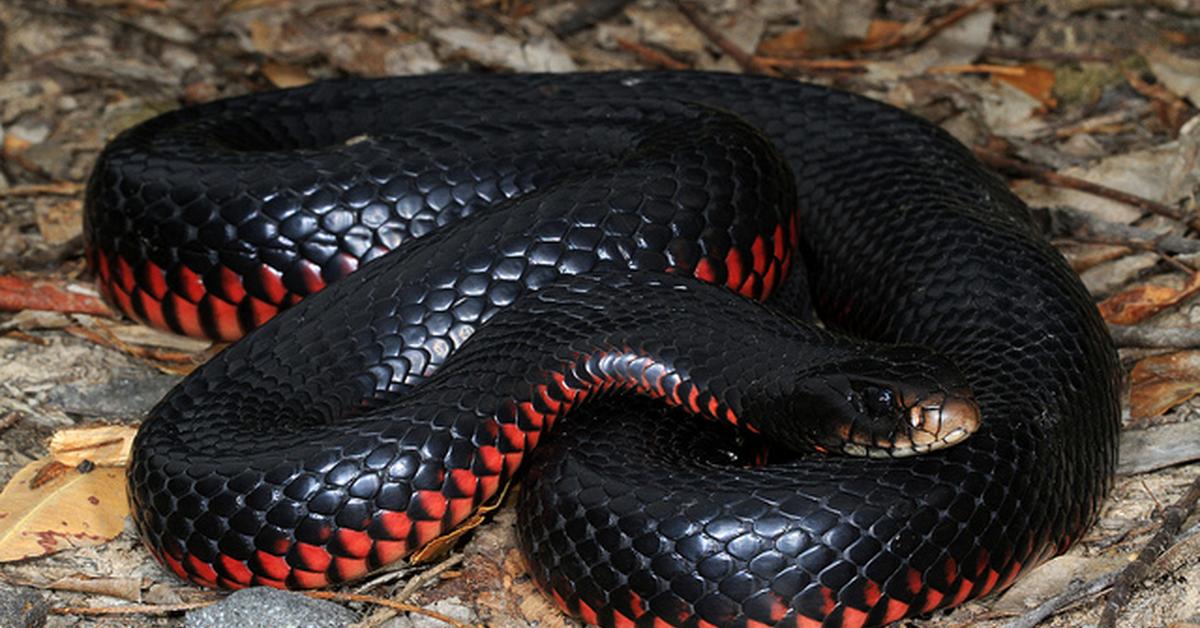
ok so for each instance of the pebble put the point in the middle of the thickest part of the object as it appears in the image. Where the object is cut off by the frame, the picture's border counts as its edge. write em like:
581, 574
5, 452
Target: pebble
263, 607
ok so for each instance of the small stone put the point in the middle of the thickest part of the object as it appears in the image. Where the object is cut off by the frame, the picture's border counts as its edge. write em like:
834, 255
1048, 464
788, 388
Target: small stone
263, 607
22, 608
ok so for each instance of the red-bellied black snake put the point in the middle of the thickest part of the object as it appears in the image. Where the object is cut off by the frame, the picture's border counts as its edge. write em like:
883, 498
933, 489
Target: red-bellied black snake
554, 244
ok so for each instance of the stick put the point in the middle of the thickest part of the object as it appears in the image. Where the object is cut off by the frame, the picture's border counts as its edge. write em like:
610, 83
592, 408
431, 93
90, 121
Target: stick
1155, 337
744, 59
1133, 573
1074, 593
371, 599
651, 56
1049, 177
131, 609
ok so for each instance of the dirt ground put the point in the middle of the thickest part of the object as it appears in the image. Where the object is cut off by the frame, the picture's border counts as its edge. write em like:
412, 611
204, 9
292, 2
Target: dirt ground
1060, 96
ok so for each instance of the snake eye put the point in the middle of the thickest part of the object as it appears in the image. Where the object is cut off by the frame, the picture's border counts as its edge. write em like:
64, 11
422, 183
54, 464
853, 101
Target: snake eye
877, 402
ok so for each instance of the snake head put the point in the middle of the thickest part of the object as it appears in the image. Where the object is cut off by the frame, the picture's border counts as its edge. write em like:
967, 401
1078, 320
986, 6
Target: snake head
900, 402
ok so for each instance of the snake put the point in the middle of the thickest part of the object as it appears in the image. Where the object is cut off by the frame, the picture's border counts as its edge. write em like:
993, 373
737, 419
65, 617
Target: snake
807, 361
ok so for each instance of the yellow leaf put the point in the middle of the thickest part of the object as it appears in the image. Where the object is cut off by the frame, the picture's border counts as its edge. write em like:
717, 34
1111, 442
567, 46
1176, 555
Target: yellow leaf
283, 75
102, 445
48, 507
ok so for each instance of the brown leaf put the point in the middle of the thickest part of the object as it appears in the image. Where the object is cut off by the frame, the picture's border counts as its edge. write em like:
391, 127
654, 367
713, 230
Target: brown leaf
1138, 303
283, 75
1033, 80
882, 32
263, 36
71, 510
124, 588
797, 43
1162, 382
790, 43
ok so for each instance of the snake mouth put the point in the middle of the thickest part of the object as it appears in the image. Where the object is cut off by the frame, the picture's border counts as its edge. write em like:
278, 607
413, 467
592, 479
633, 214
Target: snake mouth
931, 421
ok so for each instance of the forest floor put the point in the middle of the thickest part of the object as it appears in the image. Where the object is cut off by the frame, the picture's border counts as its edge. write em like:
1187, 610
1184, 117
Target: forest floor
1089, 107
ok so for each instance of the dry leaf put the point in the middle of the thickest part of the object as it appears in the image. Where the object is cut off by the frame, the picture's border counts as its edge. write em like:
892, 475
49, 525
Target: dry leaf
118, 587
882, 32
283, 75
1161, 382
796, 42
1179, 74
73, 509
1138, 303
1034, 80
790, 43
102, 445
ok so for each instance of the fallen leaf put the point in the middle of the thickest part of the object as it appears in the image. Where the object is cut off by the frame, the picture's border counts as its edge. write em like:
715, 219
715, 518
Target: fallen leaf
1159, 383
1033, 80
796, 43
102, 445
881, 33
125, 588
74, 509
789, 43
283, 75
1138, 303
1179, 74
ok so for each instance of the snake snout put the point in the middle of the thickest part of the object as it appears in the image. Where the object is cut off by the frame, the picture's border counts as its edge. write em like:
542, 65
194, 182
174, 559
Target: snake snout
899, 402
937, 419
899, 418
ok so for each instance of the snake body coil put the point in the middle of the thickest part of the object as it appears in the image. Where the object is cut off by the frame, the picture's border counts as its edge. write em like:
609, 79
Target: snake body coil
555, 237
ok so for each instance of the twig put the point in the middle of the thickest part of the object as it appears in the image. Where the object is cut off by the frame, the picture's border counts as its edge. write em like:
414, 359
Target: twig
912, 36
1044, 54
651, 56
1175, 338
979, 68
10, 419
845, 65
187, 361
743, 58
371, 599
1049, 177
60, 188
1075, 592
132, 609
415, 582
419, 580
1111, 122
1084, 226
1133, 573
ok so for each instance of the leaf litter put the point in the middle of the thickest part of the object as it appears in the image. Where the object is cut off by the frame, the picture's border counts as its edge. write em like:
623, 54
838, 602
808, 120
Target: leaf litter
1100, 91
